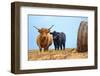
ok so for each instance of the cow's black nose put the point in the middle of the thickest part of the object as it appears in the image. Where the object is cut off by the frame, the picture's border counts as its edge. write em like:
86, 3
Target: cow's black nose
44, 38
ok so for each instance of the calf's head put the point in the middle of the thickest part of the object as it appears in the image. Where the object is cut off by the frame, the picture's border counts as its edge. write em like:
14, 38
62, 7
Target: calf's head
55, 35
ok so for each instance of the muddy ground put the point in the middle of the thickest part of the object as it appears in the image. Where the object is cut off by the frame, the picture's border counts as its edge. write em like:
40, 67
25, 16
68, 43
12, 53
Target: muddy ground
69, 53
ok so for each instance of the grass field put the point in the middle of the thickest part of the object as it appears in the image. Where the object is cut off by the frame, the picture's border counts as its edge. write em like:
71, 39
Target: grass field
69, 53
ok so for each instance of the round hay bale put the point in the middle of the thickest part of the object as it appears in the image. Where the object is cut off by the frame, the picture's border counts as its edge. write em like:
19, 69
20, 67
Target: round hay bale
82, 38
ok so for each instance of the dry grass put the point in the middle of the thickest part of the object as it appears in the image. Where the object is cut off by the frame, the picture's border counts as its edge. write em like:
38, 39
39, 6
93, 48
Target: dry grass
69, 53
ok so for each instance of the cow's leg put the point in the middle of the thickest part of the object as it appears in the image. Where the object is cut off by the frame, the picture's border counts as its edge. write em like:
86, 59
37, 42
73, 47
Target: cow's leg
63, 46
60, 46
55, 45
40, 49
46, 49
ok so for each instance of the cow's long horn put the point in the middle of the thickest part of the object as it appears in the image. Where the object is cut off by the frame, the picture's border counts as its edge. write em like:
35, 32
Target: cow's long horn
36, 27
51, 27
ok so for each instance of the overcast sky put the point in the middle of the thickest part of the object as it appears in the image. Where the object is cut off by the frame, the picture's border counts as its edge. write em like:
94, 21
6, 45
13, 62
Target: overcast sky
67, 24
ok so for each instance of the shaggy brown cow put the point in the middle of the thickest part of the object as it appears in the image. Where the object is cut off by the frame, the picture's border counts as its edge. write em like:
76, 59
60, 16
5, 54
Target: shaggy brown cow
44, 39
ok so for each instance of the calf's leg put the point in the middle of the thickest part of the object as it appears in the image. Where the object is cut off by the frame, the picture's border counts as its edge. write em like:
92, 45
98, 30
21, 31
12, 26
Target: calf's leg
63, 46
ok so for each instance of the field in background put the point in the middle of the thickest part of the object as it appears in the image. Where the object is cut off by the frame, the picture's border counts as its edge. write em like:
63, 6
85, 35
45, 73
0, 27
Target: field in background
69, 53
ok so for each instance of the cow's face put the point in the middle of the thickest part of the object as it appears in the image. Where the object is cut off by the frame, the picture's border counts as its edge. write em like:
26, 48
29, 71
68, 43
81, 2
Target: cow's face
43, 33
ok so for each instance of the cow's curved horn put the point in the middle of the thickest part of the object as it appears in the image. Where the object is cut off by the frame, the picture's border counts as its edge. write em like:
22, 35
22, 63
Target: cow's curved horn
51, 27
36, 27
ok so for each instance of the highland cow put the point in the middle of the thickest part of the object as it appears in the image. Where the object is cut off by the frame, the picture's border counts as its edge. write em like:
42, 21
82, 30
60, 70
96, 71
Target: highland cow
44, 39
